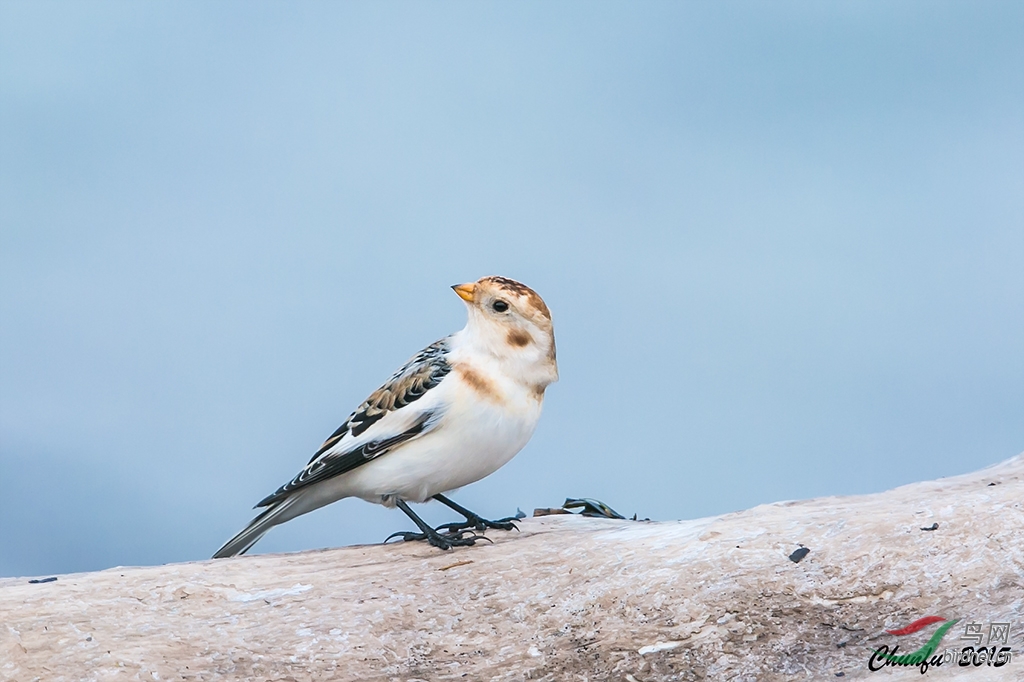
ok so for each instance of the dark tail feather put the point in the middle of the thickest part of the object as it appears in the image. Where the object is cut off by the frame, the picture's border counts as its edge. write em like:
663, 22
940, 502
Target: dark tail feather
256, 529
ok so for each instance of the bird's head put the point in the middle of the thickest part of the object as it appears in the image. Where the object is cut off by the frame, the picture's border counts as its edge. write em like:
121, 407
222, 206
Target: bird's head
510, 320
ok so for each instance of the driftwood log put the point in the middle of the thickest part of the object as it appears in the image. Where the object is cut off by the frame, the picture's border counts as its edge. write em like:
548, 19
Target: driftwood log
568, 598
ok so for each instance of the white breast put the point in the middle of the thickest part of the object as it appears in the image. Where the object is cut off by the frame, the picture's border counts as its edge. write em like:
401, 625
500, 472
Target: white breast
487, 420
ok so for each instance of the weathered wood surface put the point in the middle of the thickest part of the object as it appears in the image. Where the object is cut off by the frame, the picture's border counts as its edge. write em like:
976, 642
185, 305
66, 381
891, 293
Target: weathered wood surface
568, 598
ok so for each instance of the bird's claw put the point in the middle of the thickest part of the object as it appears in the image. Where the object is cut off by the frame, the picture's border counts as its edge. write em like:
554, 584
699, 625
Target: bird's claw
445, 541
480, 524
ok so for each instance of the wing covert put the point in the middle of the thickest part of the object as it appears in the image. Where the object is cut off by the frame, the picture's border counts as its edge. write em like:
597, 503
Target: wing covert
336, 456
335, 464
424, 371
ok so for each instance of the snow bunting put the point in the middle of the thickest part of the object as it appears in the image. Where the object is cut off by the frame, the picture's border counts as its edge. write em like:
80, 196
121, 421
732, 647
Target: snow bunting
456, 412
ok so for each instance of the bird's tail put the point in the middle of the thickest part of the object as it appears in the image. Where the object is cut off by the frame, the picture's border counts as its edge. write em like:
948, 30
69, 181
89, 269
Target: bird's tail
257, 528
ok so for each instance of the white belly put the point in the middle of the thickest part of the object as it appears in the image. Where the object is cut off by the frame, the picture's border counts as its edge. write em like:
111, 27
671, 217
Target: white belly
475, 438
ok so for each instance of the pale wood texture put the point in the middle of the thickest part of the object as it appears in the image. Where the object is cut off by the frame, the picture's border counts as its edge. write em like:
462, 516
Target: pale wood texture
568, 598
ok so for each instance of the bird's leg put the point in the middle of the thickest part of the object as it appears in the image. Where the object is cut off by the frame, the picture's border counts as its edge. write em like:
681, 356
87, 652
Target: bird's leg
443, 541
473, 520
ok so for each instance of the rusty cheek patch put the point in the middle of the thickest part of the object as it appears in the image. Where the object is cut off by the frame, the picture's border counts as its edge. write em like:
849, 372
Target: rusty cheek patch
479, 383
517, 337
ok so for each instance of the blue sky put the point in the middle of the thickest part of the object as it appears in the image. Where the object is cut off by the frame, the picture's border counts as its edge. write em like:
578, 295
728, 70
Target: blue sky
782, 244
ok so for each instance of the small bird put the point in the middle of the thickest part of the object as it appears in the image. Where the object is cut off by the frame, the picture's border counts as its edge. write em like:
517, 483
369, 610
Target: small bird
456, 412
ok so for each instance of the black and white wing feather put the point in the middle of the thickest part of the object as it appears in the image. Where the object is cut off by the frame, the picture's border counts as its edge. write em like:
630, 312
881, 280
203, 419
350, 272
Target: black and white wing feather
389, 417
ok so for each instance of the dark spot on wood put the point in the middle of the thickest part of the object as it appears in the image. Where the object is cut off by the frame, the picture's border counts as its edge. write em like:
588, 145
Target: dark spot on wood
934, 526
799, 554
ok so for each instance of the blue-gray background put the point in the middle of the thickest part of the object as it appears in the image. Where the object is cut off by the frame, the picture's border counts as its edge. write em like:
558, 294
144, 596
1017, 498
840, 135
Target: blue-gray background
783, 244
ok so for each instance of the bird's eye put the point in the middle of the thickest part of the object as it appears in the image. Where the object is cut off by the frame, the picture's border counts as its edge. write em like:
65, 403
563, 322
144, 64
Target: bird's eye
499, 306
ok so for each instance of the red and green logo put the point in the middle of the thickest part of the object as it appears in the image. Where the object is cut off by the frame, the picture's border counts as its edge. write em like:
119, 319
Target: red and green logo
924, 657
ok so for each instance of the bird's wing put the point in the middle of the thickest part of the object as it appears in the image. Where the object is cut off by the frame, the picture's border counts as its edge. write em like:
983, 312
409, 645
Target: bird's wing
388, 418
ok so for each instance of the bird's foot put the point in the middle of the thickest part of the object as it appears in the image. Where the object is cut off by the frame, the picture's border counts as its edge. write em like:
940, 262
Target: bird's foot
479, 523
445, 541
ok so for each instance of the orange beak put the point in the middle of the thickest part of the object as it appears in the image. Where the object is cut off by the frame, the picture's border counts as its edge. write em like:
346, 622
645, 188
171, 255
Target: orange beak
465, 291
